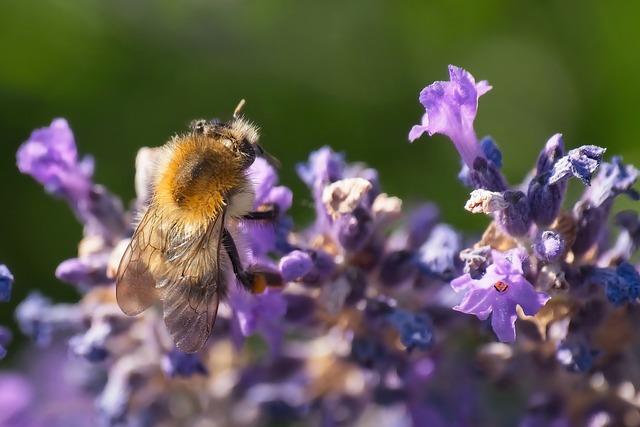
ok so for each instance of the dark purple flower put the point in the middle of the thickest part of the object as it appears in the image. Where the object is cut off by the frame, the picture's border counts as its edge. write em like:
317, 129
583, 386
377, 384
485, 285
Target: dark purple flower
451, 109
6, 282
498, 292
548, 245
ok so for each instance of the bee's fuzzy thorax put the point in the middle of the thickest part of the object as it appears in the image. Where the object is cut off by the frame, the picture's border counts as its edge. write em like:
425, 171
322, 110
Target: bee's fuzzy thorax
198, 174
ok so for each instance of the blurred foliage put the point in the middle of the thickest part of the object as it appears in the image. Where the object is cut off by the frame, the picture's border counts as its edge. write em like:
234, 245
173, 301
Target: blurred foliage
128, 74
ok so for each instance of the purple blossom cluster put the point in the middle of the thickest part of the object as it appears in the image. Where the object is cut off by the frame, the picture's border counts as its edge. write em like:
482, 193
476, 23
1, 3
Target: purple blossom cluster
370, 328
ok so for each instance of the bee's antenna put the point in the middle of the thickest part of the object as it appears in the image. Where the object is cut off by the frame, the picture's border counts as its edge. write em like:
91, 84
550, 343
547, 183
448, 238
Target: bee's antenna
268, 157
236, 112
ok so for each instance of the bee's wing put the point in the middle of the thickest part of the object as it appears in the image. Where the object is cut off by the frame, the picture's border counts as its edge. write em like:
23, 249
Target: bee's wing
191, 292
135, 285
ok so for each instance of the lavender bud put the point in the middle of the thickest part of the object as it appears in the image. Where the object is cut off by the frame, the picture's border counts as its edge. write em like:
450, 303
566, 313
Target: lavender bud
323, 268
491, 151
300, 308
590, 222
548, 246
486, 175
515, 219
294, 265
545, 200
354, 230
85, 272
550, 154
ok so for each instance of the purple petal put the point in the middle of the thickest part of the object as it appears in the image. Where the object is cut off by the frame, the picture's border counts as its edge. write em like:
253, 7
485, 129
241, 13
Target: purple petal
281, 196
417, 130
263, 177
522, 292
503, 320
451, 109
477, 301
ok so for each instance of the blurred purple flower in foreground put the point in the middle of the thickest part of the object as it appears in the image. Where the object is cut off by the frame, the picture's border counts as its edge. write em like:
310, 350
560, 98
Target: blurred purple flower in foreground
371, 327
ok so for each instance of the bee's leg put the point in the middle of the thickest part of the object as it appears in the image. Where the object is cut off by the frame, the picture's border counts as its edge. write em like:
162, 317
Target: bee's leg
270, 212
254, 281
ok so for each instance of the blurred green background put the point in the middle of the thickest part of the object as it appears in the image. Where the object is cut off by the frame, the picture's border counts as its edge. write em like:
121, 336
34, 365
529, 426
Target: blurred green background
128, 74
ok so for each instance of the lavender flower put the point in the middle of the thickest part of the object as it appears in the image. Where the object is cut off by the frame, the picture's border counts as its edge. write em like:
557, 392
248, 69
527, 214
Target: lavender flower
451, 109
370, 326
502, 287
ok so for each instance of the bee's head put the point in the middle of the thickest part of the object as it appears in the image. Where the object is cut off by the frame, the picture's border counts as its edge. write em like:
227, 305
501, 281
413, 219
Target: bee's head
238, 135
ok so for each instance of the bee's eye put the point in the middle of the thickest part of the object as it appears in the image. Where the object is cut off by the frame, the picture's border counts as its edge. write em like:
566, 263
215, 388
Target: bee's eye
247, 153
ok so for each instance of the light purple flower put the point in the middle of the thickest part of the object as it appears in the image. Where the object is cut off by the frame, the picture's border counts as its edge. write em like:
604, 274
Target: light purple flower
451, 109
51, 158
502, 287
